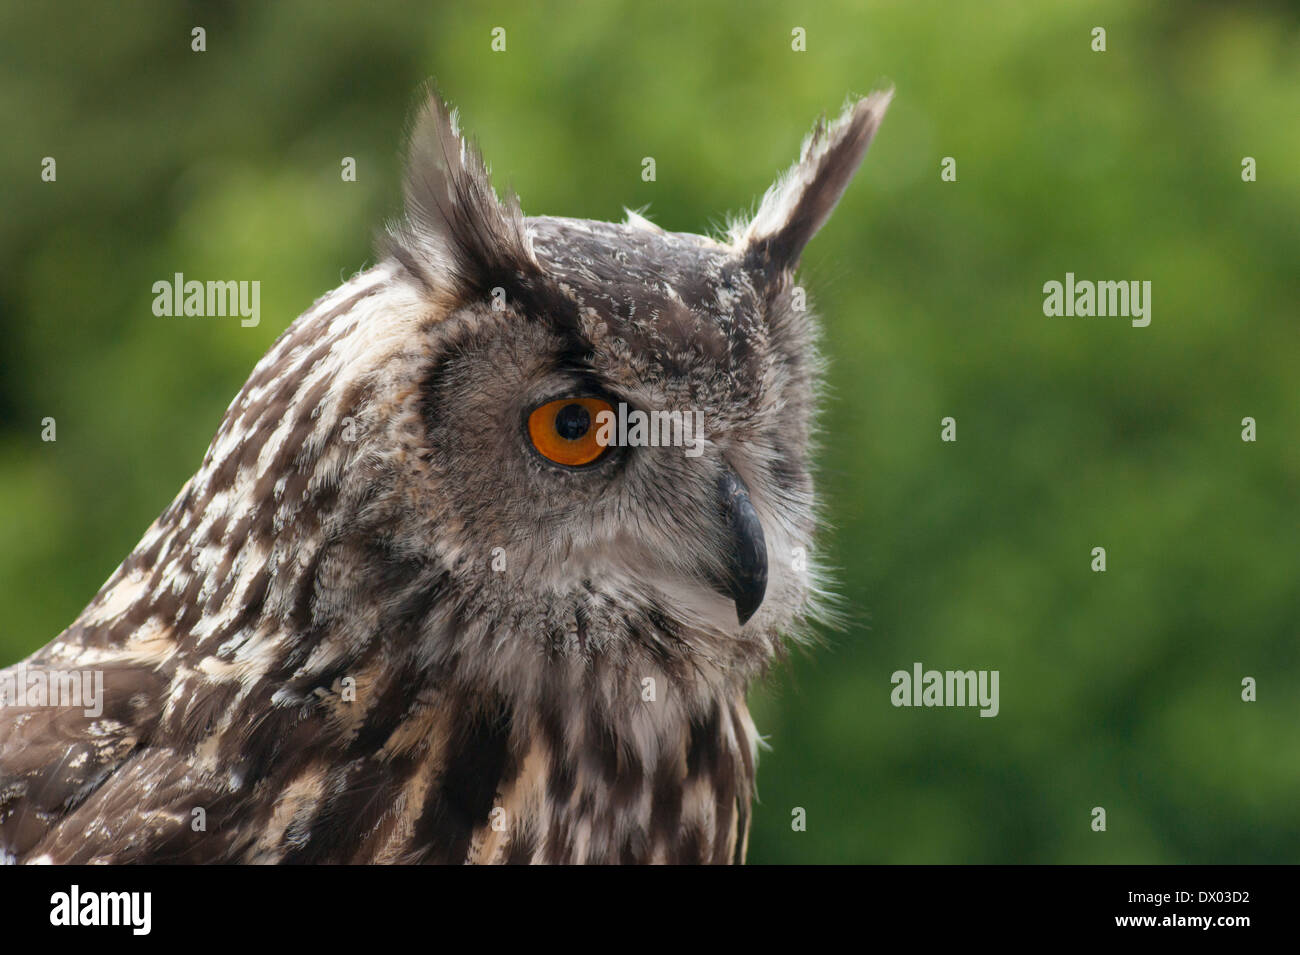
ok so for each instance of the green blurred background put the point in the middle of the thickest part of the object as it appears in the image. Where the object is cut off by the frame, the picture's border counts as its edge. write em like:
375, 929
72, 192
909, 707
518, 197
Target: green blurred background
1120, 690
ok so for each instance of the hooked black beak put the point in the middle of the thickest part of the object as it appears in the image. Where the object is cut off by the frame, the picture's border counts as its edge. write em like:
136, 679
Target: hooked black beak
747, 580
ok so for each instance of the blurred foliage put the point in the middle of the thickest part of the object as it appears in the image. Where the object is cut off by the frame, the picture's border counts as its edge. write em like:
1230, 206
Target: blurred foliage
1119, 689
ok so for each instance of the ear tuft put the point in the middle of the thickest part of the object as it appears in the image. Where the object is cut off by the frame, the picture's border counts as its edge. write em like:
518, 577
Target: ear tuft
456, 238
635, 219
800, 202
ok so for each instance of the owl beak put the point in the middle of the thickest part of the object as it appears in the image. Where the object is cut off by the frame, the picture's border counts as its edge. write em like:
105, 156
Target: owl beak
747, 582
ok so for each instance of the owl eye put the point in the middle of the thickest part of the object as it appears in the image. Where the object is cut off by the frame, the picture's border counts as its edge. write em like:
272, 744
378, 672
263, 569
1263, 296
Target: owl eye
564, 431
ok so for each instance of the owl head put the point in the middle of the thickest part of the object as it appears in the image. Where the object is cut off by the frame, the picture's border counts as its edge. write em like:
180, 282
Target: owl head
541, 442
508, 521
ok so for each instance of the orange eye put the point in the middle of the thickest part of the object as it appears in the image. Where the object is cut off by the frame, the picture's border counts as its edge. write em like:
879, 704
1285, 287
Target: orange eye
565, 430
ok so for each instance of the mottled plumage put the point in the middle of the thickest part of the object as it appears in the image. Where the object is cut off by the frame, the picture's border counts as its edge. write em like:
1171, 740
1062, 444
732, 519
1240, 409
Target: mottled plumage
378, 626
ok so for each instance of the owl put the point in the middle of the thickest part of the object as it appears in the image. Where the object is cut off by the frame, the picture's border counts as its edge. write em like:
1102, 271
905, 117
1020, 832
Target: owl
480, 563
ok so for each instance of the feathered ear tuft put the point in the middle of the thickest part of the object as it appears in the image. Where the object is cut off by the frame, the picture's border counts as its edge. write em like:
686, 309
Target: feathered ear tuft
800, 202
457, 238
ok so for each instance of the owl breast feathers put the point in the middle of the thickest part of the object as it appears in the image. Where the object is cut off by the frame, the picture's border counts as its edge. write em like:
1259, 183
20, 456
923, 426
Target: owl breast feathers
479, 564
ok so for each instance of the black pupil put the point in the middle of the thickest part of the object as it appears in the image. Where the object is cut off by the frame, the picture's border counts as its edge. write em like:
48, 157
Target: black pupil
572, 422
